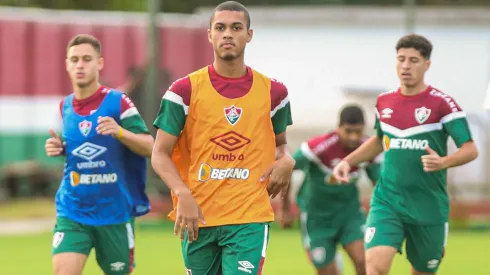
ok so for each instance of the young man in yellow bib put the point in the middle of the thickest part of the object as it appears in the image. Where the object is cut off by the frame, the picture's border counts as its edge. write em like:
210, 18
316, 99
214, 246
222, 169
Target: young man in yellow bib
227, 122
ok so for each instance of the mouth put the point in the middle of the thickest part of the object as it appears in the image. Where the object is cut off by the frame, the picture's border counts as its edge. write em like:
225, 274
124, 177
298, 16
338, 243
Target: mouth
406, 75
80, 75
228, 45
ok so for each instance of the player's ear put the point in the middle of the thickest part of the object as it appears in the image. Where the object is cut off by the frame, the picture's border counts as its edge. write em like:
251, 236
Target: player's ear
427, 64
250, 34
67, 64
209, 36
101, 63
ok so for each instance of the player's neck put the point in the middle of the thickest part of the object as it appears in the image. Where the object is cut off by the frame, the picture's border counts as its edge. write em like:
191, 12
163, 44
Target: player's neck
415, 90
86, 92
230, 69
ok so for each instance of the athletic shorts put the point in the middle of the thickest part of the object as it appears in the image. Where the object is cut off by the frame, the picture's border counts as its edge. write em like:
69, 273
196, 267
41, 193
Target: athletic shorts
227, 250
424, 245
113, 244
321, 237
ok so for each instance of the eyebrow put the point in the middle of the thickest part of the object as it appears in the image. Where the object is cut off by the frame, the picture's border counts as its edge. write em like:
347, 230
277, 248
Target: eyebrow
410, 57
234, 23
85, 55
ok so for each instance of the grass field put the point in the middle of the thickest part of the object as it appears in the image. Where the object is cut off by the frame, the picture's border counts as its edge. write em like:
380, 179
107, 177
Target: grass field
158, 253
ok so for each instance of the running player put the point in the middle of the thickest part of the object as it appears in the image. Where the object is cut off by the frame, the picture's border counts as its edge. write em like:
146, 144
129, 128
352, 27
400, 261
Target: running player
410, 200
105, 143
228, 123
332, 214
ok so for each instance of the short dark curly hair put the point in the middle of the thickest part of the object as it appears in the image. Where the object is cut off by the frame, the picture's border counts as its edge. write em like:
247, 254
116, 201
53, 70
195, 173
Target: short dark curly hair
418, 42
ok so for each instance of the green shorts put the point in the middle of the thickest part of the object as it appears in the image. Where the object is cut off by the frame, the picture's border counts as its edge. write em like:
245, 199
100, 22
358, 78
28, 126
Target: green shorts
227, 249
320, 236
114, 244
425, 244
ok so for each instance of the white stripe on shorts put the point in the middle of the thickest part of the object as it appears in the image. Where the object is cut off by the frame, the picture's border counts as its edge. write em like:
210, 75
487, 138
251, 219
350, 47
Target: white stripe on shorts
130, 232
266, 236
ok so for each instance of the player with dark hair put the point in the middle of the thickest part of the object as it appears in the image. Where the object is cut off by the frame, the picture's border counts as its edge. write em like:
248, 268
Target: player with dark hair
410, 201
330, 213
228, 124
106, 143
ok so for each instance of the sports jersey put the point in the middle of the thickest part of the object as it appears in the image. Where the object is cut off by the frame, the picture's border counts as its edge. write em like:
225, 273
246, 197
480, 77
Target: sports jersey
130, 118
407, 125
90, 171
227, 131
320, 195
136, 173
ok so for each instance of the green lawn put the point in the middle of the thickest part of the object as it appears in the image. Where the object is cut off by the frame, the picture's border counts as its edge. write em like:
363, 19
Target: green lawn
158, 252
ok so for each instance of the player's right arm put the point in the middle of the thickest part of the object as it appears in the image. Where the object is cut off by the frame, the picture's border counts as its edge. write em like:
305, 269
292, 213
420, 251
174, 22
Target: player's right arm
367, 151
163, 164
170, 122
54, 145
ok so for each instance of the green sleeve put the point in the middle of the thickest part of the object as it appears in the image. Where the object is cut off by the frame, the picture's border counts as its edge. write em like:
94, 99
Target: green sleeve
171, 117
373, 172
281, 118
377, 126
135, 124
301, 160
458, 128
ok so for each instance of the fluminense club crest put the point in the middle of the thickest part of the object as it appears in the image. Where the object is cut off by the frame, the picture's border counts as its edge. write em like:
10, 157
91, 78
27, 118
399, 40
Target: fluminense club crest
85, 127
422, 114
233, 114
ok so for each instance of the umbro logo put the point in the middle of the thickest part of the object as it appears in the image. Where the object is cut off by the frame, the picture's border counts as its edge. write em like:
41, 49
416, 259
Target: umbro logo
117, 266
89, 151
386, 113
245, 266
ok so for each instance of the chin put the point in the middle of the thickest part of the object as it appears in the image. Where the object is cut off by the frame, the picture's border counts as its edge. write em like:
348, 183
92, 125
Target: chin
228, 57
409, 84
83, 84
353, 146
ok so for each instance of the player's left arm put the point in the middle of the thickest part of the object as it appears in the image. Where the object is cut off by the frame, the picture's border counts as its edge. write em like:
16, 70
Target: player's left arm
280, 172
455, 123
280, 121
132, 130
136, 135
281, 117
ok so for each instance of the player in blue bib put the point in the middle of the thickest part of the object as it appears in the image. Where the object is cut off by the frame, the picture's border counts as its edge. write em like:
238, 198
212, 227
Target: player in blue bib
106, 143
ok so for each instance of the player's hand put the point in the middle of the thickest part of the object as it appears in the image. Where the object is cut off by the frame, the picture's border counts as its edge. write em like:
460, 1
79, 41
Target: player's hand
432, 162
341, 172
189, 215
279, 175
108, 126
54, 146
285, 219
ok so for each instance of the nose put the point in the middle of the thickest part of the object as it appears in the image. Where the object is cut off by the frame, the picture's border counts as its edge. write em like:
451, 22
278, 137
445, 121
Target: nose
80, 63
406, 64
227, 34
355, 137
